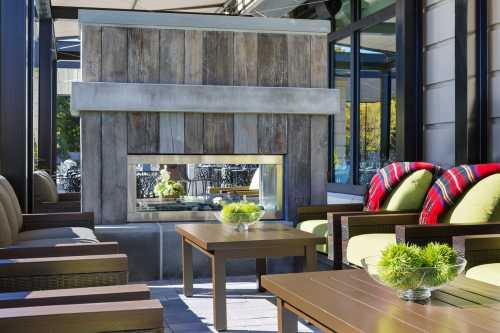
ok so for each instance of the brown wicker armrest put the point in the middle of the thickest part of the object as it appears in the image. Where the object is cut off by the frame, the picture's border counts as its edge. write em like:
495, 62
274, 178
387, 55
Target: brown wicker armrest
57, 207
372, 224
59, 250
70, 196
145, 316
56, 220
319, 212
63, 272
127, 292
442, 233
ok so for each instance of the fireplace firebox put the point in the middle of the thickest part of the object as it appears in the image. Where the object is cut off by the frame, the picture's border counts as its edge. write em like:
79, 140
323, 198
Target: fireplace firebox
203, 184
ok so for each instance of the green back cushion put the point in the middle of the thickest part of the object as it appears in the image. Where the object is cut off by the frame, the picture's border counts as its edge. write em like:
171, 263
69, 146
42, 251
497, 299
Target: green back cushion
410, 193
480, 204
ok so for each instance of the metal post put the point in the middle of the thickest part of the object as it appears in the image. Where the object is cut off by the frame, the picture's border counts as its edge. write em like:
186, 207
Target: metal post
16, 152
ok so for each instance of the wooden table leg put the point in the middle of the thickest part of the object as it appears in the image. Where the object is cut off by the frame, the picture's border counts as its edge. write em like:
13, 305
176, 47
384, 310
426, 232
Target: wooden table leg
187, 267
311, 259
287, 321
219, 291
261, 268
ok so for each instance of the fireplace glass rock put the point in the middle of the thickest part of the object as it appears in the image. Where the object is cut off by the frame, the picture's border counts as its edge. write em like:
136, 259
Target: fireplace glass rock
202, 184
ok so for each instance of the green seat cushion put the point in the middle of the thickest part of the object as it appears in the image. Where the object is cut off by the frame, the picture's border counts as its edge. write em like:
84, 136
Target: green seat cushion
409, 195
317, 227
480, 204
367, 245
489, 273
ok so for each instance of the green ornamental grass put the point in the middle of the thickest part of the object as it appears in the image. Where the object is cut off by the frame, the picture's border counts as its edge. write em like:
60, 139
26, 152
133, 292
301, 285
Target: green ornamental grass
240, 212
404, 266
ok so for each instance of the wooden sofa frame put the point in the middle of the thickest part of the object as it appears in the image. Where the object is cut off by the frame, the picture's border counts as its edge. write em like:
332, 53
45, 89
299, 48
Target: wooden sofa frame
478, 249
407, 229
333, 213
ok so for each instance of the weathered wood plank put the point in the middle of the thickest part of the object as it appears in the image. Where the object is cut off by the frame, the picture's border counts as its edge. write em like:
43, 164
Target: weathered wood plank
171, 133
245, 59
299, 61
114, 167
91, 164
194, 50
193, 133
245, 134
143, 132
172, 58
114, 131
193, 74
319, 159
272, 62
245, 74
298, 175
218, 133
114, 54
299, 128
319, 124
143, 55
272, 133
143, 67
218, 60
319, 62
91, 53
172, 46
90, 125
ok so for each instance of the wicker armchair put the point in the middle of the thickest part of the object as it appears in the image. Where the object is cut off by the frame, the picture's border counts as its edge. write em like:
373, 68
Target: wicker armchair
48, 200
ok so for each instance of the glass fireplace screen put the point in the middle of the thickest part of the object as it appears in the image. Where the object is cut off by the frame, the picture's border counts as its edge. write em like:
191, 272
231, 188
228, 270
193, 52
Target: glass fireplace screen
192, 187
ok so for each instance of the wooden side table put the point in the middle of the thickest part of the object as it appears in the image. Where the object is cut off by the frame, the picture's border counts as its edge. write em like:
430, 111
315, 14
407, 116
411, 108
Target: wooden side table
221, 242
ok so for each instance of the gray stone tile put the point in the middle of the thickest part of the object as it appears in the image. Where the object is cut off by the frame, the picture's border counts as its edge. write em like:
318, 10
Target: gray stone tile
248, 310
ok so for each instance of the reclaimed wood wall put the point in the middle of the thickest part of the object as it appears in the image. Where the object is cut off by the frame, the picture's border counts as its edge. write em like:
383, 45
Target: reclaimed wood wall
201, 57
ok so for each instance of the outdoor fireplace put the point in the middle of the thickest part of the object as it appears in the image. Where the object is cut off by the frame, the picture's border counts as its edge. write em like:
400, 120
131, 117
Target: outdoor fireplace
234, 107
206, 182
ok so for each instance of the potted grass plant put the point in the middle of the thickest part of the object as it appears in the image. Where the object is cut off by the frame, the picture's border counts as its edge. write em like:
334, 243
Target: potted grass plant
240, 214
415, 271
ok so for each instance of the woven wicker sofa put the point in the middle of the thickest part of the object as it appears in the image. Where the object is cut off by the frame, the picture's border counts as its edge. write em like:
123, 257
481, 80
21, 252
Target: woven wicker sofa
125, 308
48, 200
48, 251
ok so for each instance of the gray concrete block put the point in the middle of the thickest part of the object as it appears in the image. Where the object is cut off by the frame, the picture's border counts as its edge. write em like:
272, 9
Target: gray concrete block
141, 243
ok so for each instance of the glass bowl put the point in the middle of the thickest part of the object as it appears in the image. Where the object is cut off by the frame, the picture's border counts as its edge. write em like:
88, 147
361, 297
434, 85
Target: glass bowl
240, 221
413, 284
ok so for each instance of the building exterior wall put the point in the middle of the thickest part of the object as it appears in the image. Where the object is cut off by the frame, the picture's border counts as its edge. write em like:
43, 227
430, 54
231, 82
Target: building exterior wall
439, 82
494, 80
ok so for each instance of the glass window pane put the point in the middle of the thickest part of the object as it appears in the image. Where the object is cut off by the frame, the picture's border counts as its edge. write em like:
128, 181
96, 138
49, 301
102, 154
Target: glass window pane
377, 110
343, 16
341, 136
369, 7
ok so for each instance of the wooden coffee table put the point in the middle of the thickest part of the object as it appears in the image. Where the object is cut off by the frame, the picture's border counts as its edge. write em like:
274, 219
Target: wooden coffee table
350, 301
221, 242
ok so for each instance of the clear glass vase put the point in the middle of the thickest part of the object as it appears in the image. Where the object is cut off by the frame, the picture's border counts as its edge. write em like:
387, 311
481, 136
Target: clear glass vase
414, 284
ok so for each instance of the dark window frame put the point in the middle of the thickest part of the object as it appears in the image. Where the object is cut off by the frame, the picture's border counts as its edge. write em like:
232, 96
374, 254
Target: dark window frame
407, 23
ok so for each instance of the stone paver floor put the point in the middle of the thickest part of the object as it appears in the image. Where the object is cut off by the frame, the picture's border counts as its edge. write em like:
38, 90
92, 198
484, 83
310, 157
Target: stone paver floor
248, 310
